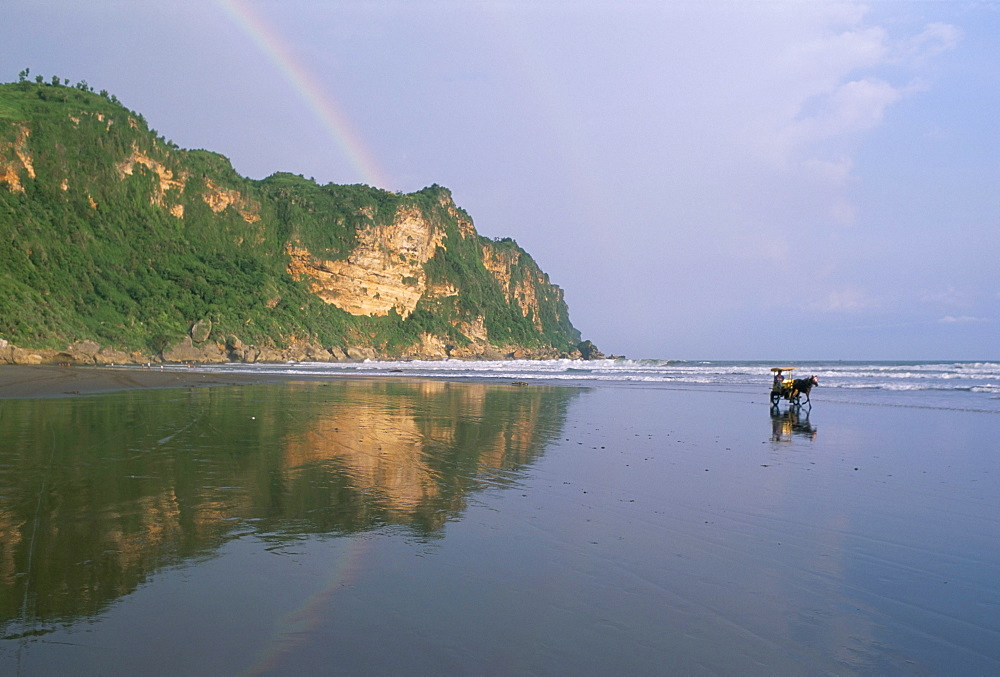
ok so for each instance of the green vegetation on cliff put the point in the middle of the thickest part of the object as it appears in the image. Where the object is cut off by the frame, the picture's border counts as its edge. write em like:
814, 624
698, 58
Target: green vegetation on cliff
112, 234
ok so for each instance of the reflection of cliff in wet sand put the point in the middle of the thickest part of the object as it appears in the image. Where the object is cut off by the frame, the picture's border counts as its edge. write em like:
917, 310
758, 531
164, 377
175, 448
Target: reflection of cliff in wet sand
411, 451
97, 493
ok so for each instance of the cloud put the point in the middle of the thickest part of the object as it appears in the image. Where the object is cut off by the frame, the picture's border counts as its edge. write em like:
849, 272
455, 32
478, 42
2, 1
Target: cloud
961, 319
844, 300
859, 105
947, 298
831, 85
935, 39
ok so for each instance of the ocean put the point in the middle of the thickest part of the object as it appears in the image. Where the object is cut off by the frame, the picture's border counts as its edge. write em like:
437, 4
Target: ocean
966, 386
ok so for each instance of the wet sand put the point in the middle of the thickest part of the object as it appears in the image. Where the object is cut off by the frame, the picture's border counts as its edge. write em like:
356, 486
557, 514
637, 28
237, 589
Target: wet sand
23, 381
630, 530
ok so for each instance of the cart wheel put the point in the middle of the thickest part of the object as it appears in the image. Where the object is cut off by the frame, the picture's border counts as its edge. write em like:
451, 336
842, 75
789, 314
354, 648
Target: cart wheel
775, 398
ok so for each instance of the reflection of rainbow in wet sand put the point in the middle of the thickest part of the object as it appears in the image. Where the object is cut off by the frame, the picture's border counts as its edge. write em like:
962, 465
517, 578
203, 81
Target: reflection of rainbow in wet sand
295, 628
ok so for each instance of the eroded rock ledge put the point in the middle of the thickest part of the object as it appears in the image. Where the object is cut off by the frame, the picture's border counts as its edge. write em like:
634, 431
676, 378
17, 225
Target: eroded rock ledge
234, 350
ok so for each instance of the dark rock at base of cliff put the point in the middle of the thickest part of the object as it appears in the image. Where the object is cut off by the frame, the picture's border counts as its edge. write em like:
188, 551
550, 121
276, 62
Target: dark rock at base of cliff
86, 352
589, 351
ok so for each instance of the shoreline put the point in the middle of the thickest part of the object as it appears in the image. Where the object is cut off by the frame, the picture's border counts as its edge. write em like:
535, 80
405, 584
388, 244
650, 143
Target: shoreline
32, 381
52, 381
57, 381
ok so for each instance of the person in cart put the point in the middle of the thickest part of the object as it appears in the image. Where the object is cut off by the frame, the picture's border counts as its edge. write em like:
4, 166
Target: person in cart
780, 378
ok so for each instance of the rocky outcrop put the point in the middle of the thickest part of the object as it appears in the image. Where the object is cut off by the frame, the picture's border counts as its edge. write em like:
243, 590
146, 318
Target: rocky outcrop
81, 352
14, 159
187, 351
520, 289
429, 347
90, 352
385, 270
588, 351
201, 330
167, 180
218, 199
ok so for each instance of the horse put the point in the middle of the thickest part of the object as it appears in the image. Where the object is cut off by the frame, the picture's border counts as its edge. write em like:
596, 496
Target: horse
802, 386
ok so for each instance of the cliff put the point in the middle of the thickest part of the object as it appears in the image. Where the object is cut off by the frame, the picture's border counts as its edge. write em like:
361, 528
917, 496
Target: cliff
116, 245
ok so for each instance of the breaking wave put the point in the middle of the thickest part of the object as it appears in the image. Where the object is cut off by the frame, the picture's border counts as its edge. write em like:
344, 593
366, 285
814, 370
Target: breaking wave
981, 378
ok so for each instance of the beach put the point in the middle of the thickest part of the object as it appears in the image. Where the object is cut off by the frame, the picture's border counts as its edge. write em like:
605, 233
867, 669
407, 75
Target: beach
297, 522
17, 381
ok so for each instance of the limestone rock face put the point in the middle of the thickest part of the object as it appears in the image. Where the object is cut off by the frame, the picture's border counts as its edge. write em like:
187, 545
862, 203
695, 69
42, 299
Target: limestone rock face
384, 271
518, 290
10, 172
219, 198
167, 180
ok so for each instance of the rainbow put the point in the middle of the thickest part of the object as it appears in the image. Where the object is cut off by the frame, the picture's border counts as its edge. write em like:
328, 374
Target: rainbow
271, 43
295, 628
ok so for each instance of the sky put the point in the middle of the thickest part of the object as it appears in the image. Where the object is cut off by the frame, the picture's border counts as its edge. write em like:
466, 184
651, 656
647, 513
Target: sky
704, 179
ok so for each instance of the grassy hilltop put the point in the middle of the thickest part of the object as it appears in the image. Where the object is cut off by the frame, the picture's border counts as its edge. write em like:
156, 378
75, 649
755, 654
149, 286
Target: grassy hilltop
114, 236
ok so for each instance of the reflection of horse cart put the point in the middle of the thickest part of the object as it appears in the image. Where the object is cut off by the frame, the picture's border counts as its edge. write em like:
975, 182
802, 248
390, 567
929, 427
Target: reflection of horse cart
787, 424
791, 389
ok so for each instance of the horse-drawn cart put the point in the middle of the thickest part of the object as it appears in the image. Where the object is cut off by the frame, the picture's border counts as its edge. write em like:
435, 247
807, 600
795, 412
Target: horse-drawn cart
791, 389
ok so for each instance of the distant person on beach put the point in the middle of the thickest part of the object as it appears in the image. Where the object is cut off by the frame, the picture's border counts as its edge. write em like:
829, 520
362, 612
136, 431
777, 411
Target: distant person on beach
778, 379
